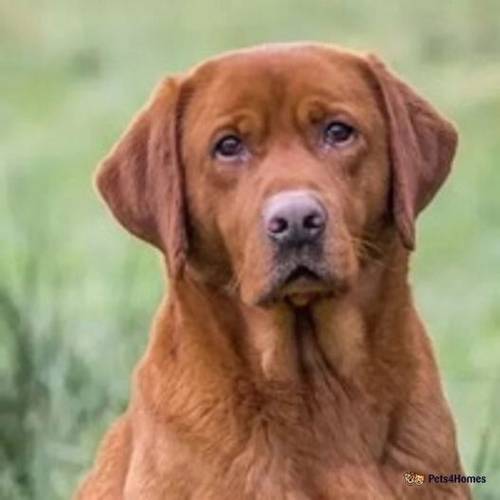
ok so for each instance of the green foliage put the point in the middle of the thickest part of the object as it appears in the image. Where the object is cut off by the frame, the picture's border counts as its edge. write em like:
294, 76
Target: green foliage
77, 294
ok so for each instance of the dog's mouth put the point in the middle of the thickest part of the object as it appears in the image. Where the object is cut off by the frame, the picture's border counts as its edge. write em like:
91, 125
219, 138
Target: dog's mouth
302, 286
299, 284
302, 273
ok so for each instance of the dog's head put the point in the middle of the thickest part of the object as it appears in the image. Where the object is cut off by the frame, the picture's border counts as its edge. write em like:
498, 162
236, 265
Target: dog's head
275, 169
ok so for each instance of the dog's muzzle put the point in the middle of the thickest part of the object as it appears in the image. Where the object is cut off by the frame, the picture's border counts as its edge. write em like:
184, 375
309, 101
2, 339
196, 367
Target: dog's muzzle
294, 223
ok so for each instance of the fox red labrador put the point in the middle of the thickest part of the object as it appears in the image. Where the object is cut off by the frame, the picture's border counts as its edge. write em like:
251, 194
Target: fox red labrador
281, 184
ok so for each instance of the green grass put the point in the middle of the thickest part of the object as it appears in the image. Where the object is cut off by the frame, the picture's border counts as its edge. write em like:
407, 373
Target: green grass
77, 294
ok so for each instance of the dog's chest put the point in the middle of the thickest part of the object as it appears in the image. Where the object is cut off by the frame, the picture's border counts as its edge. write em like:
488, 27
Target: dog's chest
289, 443
301, 455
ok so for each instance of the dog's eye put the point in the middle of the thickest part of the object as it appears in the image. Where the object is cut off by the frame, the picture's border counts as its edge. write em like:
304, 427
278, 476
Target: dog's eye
338, 133
229, 147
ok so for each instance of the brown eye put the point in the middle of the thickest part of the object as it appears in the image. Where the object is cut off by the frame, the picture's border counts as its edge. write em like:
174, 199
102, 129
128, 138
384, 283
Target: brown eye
229, 147
338, 133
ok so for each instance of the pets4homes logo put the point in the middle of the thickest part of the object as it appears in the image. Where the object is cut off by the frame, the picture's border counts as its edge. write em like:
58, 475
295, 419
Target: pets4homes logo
412, 478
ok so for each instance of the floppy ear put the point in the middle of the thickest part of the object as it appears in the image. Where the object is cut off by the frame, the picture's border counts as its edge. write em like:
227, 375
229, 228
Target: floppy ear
421, 146
141, 179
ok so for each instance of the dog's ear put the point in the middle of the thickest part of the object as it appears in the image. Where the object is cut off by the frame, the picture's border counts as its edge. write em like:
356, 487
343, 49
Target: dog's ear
422, 145
141, 179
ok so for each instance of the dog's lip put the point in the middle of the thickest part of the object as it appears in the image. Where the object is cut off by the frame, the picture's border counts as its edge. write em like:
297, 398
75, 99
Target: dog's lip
302, 286
302, 274
302, 291
303, 299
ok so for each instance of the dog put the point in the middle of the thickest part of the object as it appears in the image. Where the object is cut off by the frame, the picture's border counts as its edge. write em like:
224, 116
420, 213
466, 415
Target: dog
281, 185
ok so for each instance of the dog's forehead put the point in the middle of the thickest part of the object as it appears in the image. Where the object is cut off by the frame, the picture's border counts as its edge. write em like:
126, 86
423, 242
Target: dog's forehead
269, 73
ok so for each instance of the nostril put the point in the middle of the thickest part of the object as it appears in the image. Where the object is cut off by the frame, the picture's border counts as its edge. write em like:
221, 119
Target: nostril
277, 226
314, 222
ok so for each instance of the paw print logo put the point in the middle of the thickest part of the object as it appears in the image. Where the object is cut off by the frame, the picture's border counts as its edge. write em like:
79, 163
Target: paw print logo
414, 478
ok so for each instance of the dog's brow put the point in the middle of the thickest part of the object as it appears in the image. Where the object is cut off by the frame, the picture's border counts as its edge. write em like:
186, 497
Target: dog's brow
243, 121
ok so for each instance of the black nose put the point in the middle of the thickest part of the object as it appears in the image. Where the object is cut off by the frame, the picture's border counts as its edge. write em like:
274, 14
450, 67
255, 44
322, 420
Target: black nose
294, 218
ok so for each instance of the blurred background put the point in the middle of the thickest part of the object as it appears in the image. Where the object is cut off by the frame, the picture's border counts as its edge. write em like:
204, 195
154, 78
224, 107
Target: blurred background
77, 293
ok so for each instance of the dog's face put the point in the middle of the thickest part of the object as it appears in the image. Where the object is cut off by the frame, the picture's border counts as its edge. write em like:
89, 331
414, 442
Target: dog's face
269, 171
286, 168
